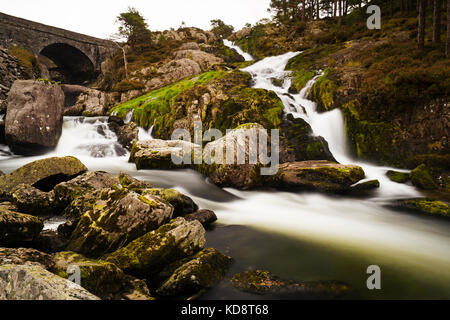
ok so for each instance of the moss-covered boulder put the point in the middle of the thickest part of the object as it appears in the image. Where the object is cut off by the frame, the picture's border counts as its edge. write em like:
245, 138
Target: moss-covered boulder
67, 192
188, 276
396, 176
102, 278
426, 206
118, 217
42, 174
33, 201
205, 217
23, 256
422, 178
181, 203
263, 282
18, 228
133, 184
317, 175
366, 186
31, 282
148, 255
158, 154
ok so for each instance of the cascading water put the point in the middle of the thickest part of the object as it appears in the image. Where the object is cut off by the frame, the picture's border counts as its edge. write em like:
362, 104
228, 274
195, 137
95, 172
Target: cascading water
231, 45
300, 236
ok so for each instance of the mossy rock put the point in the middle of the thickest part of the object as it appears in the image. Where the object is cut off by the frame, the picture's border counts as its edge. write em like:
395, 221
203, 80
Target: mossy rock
396, 176
191, 275
23, 256
148, 255
42, 174
425, 206
18, 228
102, 278
263, 282
421, 178
33, 201
366, 186
181, 203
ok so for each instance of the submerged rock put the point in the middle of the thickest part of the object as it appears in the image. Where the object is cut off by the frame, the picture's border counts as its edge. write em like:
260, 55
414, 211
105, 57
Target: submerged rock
148, 255
396, 176
102, 278
34, 117
23, 256
421, 178
263, 282
18, 228
118, 217
202, 271
42, 174
31, 282
423, 205
317, 175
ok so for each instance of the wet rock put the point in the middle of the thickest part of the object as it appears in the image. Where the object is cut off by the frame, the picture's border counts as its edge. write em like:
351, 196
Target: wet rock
366, 186
396, 176
263, 282
18, 228
23, 256
426, 206
422, 179
148, 255
66, 229
68, 191
42, 174
118, 217
181, 203
133, 184
33, 201
127, 134
95, 103
191, 275
34, 117
157, 154
102, 278
317, 175
31, 282
49, 241
205, 217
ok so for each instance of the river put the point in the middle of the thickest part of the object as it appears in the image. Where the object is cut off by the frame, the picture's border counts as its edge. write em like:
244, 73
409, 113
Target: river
295, 235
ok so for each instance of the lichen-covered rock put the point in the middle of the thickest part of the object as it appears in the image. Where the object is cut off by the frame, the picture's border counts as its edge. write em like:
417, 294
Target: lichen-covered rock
148, 255
34, 117
66, 192
317, 175
205, 217
204, 60
95, 103
42, 174
23, 256
202, 271
127, 133
31, 282
421, 178
33, 201
157, 154
181, 203
133, 184
425, 206
263, 282
396, 176
102, 278
118, 217
18, 228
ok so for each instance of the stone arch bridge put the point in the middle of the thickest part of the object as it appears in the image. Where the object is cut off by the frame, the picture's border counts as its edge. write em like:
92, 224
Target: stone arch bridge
76, 57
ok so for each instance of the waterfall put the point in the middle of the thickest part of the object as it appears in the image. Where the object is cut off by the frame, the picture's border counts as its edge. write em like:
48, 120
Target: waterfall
231, 45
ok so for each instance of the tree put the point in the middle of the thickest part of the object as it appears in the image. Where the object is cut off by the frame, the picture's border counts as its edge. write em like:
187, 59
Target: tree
447, 46
421, 25
437, 21
134, 28
220, 29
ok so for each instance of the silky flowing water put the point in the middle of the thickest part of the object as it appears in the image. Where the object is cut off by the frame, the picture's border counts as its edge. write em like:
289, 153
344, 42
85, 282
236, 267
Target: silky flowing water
302, 236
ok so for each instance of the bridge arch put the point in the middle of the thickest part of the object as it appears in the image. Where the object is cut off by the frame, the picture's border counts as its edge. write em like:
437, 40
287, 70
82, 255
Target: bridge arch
71, 65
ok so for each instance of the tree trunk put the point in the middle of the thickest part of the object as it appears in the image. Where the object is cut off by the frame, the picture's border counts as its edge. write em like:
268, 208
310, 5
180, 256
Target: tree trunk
421, 25
334, 8
318, 9
447, 45
303, 10
437, 22
340, 13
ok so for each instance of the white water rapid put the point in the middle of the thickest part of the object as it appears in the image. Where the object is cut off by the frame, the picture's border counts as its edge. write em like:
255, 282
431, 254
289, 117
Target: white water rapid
231, 45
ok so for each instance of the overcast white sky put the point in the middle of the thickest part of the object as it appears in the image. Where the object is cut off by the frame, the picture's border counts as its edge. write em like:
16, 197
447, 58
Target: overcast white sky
97, 17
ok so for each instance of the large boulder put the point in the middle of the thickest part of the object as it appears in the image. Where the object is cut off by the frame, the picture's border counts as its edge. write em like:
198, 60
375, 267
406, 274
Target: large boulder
319, 175
175, 70
427, 206
34, 117
29, 199
181, 203
205, 60
127, 133
422, 179
188, 276
23, 256
18, 228
118, 217
31, 282
102, 278
42, 174
148, 255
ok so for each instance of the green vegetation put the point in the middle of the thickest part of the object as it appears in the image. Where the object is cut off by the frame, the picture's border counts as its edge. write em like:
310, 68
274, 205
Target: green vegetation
421, 178
134, 28
220, 29
27, 59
